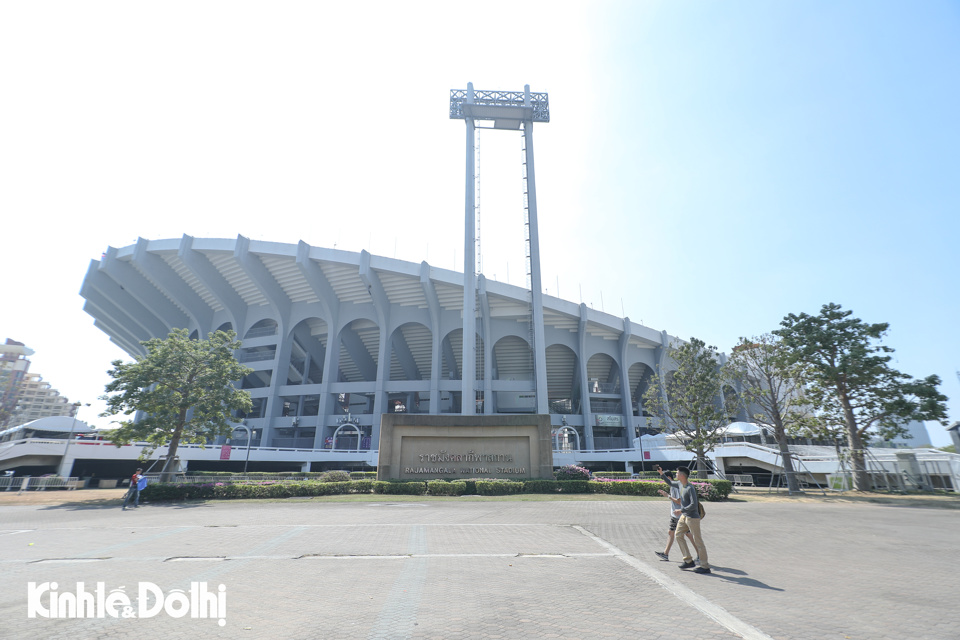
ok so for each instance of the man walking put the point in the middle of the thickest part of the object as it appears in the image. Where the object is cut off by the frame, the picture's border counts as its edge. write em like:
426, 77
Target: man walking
134, 491
689, 513
674, 496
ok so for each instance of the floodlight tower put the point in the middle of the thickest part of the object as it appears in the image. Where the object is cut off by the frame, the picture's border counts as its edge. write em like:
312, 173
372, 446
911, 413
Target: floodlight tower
509, 110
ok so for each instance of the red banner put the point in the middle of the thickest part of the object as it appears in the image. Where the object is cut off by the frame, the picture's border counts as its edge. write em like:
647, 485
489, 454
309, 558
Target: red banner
225, 452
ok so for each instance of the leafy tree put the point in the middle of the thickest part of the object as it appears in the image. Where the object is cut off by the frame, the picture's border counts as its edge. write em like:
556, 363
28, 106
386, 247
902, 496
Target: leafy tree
183, 388
772, 388
688, 398
853, 382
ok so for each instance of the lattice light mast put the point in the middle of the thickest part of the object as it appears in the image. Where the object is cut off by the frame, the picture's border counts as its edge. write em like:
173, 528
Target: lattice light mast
509, 110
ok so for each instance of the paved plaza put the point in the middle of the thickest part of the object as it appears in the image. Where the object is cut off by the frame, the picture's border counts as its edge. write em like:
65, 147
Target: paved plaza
481, 568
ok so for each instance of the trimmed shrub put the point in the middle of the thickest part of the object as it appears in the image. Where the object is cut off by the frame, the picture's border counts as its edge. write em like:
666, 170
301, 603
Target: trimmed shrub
571, 472
627, 487
360, 486
498, 487
335, 476
400, 488
471, 489
363, 475
612, 474
540, 486
444, 488
573, 486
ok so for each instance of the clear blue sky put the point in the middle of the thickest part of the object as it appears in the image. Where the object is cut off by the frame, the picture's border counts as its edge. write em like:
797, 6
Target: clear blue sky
709, 166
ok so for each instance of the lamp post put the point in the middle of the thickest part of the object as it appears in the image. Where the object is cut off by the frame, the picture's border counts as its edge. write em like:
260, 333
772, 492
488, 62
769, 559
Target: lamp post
73, 427
243, 425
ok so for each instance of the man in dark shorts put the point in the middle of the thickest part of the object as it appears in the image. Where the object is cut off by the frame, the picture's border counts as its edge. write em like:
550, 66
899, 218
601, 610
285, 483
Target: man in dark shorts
674, 496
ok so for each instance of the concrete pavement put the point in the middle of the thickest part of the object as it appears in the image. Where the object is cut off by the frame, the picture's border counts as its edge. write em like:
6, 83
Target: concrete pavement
474, 568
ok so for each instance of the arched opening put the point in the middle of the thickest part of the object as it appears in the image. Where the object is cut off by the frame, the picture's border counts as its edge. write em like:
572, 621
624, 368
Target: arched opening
566, 439
411, 352
359, 349
606, 403
563, 379
512, 359
640, 376
263, 328
451, 363
603, 384
308, 350
452, 346
226, 326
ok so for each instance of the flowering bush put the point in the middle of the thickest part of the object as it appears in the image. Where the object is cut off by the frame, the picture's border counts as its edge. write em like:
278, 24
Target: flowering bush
571, 472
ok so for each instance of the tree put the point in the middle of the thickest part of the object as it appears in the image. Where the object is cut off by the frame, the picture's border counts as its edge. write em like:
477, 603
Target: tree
853, 382
772, 389
688, 398
183, 388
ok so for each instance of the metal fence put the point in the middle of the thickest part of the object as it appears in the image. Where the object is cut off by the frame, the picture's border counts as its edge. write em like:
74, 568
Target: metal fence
39, 483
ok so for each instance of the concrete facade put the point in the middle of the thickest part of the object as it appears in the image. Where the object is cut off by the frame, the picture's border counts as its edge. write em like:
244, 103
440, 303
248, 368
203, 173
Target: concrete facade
333, 335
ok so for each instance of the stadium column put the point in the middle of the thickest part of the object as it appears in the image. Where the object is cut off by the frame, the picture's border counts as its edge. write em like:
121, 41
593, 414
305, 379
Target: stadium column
536, 290
161, 275
381, 305
582, 358
280, 304
662, 357
468, 369
433, 304
486, 333
626, 399
330, 303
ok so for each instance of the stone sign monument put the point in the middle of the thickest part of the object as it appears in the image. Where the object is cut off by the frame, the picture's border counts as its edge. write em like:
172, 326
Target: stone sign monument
431, 447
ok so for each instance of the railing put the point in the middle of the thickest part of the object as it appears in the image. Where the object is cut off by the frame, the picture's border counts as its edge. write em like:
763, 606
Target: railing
563, 407
40, 483
261, 332
605, 406
295, 443
604, 387
257, 356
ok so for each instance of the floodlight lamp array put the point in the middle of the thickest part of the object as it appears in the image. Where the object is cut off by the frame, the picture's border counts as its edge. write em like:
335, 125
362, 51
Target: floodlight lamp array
539, 102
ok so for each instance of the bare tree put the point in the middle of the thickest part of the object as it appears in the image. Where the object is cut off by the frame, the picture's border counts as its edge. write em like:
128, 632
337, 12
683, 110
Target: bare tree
772, 391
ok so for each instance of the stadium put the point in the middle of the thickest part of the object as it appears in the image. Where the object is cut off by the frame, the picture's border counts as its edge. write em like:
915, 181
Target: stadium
337, 339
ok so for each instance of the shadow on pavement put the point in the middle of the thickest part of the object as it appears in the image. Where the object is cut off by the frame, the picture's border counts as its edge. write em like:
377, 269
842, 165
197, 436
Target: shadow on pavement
109, 503
740, 577
115, 503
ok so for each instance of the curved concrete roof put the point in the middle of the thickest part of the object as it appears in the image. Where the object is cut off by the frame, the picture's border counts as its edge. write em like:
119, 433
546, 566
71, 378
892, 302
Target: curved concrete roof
142, 290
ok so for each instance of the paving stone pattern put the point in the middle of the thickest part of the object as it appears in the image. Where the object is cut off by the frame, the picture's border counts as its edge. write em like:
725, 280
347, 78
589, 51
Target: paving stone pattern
492, 569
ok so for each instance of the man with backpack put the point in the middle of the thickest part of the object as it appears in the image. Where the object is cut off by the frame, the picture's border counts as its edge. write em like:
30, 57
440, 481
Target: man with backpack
689, 513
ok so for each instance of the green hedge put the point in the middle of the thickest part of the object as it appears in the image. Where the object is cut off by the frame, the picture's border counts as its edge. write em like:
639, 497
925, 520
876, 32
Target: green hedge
399, 488
633, 488
540, 486
160, 492
612, 474
574, 486
444, 488
498, 487
363, 475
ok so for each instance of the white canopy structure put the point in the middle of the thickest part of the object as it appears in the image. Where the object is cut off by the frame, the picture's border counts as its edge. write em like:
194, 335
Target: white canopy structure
743, 429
